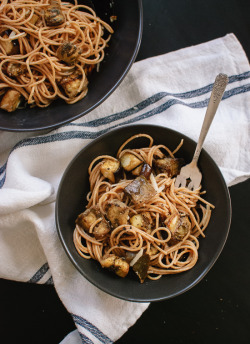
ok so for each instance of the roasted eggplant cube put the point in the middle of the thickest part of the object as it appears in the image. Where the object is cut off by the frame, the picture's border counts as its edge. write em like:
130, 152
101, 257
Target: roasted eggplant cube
116, 264
140, 190
101, 230
117, 213
108, 261
142, 170
179, 227
109, 168
88, 217
141, 221
121, 267
72, 83
137, 170
53, 14
141, 267
146, 170
183, 229
68, 53
173, 222
137, 221
34, 19
15, 69
129, 161
170, 166
10, 47
10, 100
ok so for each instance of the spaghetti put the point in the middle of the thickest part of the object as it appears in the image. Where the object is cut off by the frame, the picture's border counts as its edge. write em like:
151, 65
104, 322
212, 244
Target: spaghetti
141, 214
43, 56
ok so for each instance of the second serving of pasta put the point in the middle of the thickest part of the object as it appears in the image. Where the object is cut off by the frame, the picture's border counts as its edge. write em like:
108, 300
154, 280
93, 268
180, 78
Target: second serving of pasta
47, 50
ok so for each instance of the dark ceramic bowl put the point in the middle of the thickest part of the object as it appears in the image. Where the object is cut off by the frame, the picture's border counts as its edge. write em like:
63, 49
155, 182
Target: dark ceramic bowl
71, 196
119, 57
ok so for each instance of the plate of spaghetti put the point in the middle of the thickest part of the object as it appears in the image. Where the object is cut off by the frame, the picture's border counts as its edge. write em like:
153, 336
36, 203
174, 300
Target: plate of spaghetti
124, 224
61, 59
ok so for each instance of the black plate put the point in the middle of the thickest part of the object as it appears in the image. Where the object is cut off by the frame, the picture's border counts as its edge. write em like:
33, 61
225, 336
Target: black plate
71, 201
119, 58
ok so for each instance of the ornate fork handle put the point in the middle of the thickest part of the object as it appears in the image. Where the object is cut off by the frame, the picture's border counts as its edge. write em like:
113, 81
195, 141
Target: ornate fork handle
220, 84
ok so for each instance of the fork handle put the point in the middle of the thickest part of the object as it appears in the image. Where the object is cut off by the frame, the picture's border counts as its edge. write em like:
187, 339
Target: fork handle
219, 86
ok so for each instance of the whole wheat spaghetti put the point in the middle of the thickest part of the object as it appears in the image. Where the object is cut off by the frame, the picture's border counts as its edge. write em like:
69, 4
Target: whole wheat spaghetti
43, 56
136, 217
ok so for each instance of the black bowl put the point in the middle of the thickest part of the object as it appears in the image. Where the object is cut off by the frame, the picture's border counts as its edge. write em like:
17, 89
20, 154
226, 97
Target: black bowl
119, 58
71, 201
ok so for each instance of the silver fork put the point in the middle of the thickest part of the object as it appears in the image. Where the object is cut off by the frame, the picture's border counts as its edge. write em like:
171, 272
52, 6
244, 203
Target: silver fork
190, 173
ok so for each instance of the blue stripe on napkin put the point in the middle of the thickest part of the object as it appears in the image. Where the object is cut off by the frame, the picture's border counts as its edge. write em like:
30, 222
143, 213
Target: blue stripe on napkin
2, 169
92, 329
75, 134
85, 339
39, 274
50, 281
2, 180
92, 135
155, 98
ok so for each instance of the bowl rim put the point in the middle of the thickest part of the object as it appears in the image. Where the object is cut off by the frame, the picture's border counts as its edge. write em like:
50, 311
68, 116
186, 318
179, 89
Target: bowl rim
125, 72
199, 277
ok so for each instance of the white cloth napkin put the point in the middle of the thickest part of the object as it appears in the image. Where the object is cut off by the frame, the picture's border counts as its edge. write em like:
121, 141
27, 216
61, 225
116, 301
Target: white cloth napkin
171, 90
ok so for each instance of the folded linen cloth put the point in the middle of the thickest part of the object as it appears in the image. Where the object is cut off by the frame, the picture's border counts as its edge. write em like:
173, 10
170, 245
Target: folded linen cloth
171, 90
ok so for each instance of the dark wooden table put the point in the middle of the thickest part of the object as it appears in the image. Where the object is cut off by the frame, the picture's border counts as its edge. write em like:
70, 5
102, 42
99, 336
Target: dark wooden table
217, 310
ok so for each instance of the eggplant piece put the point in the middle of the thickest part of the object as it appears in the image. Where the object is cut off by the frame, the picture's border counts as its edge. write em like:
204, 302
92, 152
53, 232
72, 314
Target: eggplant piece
173, 222
129, 161
53, 14
170, 166
72, 83
101, 230
140, 190
68, 53
88, 217
179, 227
137, 221
183, 229
142, 220
117, 213
146, 170
109, 167
137, 170
11, 100
142, 170
121, 267
15, 69
141, 267
116, 264
34, 19
11, 47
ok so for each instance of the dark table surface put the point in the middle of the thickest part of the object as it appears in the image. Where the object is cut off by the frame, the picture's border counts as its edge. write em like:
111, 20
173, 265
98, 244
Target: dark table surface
216, 310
